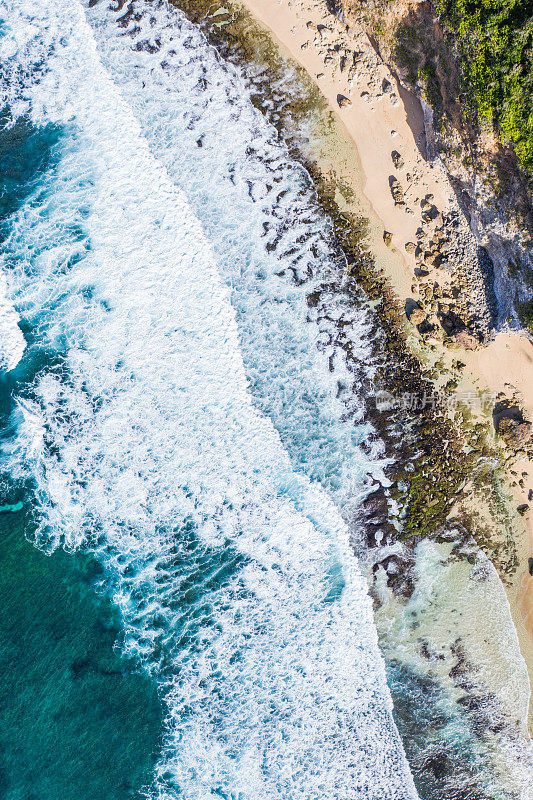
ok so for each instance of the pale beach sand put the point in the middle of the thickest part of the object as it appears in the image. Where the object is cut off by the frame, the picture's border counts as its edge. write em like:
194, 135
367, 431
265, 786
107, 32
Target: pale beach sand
379, 118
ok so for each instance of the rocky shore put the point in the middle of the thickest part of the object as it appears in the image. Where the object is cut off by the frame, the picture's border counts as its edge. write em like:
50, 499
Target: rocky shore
493, 191
453, 414
443, 252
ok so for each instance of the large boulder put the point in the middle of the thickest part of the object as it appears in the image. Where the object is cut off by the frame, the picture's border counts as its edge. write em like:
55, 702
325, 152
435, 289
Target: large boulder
515, 433
396, 191
397, 159
465, 339
417, 316
453, 325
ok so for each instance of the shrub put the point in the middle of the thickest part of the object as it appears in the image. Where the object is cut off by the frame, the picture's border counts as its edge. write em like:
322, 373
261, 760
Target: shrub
495, 41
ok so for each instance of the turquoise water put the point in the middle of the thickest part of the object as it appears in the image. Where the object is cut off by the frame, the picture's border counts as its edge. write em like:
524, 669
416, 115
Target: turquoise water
438, 744
130, 423
165, 440
26, 153
77, 720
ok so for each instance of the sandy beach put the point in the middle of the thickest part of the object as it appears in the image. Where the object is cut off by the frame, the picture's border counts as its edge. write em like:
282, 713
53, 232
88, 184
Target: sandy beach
382, 119
266, 466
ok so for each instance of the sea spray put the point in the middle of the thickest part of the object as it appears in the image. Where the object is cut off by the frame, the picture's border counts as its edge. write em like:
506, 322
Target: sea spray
273, 245
276, 254
233, 573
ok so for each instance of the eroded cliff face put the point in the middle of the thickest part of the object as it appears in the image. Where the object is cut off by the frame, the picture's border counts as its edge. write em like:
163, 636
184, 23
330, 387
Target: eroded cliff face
492, 188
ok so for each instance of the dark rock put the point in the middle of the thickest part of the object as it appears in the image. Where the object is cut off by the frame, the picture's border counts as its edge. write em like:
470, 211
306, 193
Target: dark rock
343, 102
387, 238
440, 765
396, 191
451, 323
399, 579
429, 212
397, 159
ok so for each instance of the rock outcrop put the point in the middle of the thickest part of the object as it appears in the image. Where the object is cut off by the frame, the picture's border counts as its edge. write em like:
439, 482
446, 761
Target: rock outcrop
493, 193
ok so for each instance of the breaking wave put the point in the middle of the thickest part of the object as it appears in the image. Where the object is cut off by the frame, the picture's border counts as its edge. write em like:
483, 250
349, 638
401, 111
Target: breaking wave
237, 587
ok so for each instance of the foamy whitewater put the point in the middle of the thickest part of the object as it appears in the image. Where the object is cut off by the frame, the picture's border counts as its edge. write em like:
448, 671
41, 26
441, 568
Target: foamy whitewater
272, 246
232, 570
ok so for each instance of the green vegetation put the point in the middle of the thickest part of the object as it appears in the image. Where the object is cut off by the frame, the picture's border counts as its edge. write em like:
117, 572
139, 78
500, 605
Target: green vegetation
428, 75
406, 49
495, 41
526, 314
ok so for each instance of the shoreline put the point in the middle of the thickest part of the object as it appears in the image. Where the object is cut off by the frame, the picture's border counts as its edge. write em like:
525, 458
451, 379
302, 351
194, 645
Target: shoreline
452, 496
503, 364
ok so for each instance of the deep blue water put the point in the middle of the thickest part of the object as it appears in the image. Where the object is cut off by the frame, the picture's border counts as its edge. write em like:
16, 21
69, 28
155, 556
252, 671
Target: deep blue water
200, 625
77, 720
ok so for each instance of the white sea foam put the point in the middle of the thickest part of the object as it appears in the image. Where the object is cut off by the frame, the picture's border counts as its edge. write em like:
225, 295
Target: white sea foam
273, 248
272, 245
12, 341
233, 572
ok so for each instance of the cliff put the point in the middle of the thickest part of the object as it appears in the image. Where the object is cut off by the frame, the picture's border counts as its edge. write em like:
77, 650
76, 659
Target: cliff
471, 66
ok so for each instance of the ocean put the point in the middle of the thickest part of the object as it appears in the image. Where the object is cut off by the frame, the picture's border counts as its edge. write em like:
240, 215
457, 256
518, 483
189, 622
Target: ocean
79, 719
137, 441
186, 439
